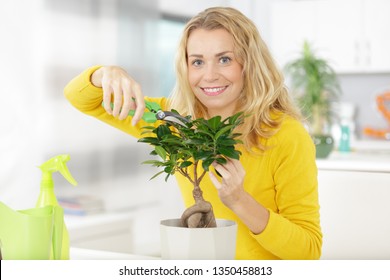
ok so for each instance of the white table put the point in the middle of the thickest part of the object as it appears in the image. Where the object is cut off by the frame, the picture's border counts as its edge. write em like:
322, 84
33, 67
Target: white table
88, 254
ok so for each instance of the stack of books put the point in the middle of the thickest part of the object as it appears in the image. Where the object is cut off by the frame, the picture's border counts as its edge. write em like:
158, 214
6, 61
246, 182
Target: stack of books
81, 205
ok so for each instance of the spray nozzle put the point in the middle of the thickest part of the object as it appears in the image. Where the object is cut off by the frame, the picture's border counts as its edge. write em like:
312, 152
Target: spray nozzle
57, 163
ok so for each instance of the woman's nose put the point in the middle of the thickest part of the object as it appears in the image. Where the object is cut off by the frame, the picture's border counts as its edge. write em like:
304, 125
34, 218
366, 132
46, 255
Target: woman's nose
211, 73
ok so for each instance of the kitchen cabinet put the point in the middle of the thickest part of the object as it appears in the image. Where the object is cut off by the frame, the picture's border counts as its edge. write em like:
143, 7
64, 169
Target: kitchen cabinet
352, 35
135, 231
289, 24
354, 206
377, 33
107, 232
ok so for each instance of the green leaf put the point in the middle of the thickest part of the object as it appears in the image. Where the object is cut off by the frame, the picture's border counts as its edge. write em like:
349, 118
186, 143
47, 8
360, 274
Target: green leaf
185, 164
171, 139
214, 122
202, 154
194, 141
221, 160
206, 163
149, 140
163, 130
161, 152
153, 162
223, 141
155, 175
168, 169
146, 132
229, 152
151, 128
235, 135
236, 119
184, 154
203, 132
223, 131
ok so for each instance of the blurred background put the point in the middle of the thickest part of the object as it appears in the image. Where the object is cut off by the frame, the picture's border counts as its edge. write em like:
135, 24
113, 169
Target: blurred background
45, 43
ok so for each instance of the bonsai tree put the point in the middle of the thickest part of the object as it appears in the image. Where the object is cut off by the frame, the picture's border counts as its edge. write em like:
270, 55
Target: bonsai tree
316, 86
182, 148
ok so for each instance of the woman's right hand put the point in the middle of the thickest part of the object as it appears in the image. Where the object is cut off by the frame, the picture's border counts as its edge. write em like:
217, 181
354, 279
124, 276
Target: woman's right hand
120, 89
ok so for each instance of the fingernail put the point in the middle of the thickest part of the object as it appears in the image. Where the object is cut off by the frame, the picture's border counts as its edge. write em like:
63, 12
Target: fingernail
219, 174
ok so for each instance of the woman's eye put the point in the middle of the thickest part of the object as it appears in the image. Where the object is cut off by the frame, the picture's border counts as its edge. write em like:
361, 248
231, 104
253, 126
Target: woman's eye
225, 60
197, 62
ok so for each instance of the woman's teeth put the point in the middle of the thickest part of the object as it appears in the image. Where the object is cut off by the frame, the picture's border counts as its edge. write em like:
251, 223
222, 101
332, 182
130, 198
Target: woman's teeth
213, 91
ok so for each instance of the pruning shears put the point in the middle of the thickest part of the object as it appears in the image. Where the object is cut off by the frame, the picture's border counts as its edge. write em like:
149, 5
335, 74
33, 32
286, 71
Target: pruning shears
156, 113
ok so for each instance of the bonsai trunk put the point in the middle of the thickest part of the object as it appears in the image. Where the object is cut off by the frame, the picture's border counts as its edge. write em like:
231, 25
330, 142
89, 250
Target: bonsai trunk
199, 215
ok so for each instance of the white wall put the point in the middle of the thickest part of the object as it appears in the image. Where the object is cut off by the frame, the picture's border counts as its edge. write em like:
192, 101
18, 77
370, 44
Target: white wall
20, 121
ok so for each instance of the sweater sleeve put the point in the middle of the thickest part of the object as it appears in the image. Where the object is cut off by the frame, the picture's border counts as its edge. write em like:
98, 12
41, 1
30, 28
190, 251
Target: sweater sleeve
87, 98
293, 230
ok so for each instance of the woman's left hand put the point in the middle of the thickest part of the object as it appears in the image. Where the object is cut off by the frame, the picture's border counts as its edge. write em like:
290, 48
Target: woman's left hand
232, 193
230, 189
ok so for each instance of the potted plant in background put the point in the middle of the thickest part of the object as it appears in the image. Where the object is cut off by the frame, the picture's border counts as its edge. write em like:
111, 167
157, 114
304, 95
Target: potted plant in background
316, 87
190, 149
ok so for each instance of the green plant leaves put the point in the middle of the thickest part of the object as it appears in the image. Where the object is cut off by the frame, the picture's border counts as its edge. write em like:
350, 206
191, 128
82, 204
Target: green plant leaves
201, 140
315, 85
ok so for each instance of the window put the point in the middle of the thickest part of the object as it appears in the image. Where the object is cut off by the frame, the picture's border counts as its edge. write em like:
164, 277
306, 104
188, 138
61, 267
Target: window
170, 30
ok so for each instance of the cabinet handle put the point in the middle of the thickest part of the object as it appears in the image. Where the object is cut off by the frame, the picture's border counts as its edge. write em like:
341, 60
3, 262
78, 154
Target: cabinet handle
357, 53
368, 53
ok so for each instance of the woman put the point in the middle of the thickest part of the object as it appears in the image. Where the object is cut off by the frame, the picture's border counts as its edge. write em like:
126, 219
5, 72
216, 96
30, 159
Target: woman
223, 67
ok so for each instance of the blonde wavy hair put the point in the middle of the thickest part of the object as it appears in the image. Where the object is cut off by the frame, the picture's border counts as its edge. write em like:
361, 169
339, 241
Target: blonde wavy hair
265, 99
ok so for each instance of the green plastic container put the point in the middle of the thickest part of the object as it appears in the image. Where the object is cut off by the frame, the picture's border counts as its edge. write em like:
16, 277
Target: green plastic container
31, 234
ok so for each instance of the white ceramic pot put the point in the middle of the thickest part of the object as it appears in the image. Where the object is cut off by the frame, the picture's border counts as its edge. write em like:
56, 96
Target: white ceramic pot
180, 243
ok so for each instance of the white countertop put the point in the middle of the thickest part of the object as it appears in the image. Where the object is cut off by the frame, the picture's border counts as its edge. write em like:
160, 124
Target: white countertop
76, 222
369, 161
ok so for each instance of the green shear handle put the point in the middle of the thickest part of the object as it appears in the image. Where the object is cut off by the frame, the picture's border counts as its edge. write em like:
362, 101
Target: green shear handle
155, 113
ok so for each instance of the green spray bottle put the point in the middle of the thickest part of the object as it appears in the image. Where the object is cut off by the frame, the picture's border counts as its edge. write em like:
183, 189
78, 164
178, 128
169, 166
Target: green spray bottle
47, 196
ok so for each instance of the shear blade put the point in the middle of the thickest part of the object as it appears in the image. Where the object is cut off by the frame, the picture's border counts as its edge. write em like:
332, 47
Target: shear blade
172, 117
174, 120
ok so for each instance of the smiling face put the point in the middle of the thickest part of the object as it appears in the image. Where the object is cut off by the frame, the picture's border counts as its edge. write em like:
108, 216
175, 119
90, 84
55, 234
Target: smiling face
214, 74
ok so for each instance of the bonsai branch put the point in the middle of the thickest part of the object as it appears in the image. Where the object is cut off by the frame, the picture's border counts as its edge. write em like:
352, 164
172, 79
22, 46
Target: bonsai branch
185, 174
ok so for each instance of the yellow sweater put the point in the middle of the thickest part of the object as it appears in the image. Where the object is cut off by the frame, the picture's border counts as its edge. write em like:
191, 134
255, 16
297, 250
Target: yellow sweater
283, 179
